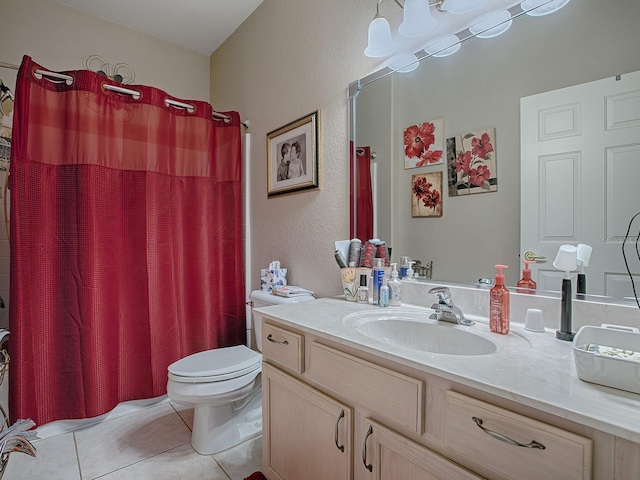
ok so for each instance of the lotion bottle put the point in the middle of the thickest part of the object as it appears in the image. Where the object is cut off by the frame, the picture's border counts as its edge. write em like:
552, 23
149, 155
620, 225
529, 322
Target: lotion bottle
383, 296
499, 305
526, 284
395, 288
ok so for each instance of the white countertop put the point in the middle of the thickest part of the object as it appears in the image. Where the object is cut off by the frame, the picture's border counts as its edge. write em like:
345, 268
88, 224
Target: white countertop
533, 369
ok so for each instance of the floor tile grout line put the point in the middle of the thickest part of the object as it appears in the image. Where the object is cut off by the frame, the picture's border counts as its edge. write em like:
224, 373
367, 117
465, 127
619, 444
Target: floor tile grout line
138, 461
75, 446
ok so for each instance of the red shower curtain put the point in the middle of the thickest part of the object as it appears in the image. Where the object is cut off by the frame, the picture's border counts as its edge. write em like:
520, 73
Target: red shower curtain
126, 242
364, 196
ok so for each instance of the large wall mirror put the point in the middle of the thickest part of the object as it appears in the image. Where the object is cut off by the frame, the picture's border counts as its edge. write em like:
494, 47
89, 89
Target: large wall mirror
480, 89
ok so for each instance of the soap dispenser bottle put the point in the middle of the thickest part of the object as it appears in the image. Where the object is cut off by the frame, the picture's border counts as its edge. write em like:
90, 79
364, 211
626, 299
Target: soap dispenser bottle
526, 284
499, 305
395, 288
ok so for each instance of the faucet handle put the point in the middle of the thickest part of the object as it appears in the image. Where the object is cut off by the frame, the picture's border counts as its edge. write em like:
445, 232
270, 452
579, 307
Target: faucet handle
443, 294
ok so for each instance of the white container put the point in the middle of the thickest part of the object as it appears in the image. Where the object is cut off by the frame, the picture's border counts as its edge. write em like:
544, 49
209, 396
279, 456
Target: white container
611, 371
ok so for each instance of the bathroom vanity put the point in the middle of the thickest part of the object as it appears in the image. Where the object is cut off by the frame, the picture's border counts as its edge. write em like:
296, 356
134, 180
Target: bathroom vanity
346, 395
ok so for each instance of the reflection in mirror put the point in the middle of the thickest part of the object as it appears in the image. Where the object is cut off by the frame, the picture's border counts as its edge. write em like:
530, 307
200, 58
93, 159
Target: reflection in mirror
480, 88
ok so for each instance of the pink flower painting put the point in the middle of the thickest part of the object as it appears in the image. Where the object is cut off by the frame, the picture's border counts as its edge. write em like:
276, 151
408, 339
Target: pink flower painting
426, 195
424, 144
471, 160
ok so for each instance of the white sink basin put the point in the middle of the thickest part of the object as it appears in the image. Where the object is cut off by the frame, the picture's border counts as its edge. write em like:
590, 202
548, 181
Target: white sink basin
414, 330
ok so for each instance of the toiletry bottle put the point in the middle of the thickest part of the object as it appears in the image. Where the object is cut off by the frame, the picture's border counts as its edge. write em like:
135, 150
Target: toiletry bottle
499, 305
378, 275
383, 296
526, 284
395, 288
404, 266
410, 271
362, 295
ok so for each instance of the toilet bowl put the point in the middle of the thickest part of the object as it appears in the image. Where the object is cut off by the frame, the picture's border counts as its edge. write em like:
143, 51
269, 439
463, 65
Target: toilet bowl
223, 385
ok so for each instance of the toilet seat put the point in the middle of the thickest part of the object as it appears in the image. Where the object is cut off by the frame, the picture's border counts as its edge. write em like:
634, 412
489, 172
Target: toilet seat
215, 365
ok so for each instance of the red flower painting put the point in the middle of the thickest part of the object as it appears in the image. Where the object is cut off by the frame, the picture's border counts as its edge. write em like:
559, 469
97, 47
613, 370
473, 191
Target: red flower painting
472, 163
423, 144
426, 196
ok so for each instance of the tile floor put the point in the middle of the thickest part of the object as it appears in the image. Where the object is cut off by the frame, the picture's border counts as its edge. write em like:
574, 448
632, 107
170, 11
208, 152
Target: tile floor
152, 443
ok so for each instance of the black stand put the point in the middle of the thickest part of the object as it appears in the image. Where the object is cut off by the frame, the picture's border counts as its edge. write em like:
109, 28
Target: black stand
565, 332
582, 285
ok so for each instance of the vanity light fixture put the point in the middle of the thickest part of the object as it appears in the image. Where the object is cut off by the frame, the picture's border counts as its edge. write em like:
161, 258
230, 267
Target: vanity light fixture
492, 25
444, 47
461, 6
537, 8
380, 41
417, 21
404, 63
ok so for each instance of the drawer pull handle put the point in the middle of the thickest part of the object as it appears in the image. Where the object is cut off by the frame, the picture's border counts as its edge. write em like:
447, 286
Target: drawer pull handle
339, 447
364, 450
505, 439
272, 340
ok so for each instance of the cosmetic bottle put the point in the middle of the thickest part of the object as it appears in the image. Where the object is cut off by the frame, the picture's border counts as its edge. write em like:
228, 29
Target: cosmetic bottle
499, 305
395, 288
404, 266
410, 271
383, 296
362, 295
378, 275
526, 284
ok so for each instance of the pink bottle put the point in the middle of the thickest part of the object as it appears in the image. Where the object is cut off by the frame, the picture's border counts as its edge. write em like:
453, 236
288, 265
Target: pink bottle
526, 284
499, 305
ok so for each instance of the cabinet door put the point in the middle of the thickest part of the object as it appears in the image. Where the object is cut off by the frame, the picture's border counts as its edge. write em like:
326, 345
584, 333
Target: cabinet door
306, 434
390, 456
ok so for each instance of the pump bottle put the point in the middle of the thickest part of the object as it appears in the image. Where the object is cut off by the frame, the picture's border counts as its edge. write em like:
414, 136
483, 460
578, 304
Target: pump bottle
395, 288
526, 284
499, 305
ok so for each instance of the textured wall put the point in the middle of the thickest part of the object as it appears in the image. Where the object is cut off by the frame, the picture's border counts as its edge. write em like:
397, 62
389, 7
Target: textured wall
292, 57
289, 59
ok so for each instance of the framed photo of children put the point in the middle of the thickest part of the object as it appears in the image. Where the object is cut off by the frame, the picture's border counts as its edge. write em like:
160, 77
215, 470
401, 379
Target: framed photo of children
292, 157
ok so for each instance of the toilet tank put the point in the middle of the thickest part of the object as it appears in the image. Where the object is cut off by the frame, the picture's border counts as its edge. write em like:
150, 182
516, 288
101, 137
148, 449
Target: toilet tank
262, 298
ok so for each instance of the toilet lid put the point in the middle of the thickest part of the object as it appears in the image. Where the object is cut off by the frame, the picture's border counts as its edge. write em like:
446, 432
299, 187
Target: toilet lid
218, 362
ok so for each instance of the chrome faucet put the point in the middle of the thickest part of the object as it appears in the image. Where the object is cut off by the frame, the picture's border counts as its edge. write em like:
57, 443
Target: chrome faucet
445, 310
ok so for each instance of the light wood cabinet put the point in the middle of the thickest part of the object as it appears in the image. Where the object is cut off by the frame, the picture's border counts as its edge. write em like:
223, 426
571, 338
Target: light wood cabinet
390, 456
306, 434
332, 412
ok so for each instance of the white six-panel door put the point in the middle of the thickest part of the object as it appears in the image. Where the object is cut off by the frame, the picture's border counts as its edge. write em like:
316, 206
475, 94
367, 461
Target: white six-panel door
580, 179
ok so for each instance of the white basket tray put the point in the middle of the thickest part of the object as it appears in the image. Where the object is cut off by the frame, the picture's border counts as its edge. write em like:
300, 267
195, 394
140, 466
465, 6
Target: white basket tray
611, 371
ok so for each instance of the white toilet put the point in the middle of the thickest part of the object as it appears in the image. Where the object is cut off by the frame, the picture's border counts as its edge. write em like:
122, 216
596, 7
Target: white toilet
224, 387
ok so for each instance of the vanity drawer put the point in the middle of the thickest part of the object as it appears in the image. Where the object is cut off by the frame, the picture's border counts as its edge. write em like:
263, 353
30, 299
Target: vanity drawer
283, 347
565, 454
392, 395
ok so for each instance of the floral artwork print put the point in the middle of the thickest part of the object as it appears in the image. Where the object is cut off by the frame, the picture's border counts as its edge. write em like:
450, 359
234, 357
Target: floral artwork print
471, 160
426, 195
424, 144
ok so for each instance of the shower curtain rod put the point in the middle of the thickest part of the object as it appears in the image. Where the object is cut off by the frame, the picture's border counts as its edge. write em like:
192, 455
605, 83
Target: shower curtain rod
9, 65
134, 93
